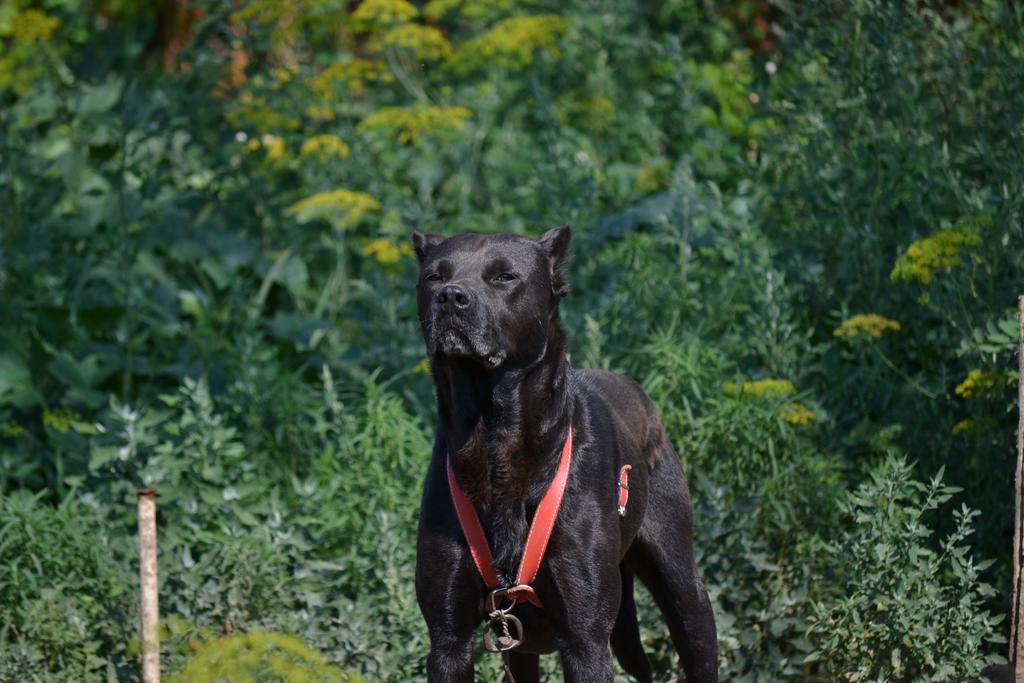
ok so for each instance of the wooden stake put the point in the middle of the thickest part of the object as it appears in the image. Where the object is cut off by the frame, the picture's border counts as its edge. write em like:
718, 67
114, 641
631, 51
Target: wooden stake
149, 610
1017, 622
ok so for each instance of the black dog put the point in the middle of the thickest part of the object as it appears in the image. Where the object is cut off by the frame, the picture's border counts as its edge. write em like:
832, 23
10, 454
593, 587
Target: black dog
506, 397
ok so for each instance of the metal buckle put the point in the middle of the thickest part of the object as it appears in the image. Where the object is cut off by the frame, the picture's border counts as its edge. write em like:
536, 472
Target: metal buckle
509, 632
495, 599
503, 631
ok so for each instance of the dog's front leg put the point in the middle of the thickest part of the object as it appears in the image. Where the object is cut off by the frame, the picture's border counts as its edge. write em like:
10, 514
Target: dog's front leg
448, 588
448, 601
450, 659
590, 590
587, 662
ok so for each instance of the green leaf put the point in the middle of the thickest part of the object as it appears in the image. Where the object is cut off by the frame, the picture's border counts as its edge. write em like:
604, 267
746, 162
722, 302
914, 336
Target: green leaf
99, 98
16, 387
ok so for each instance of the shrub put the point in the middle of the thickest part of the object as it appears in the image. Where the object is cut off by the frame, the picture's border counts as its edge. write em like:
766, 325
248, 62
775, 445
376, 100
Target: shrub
66, 604
903, 610
259, 657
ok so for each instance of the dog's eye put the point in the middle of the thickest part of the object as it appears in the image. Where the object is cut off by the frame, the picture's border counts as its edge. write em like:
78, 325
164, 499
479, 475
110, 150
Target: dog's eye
504, 277
433, 277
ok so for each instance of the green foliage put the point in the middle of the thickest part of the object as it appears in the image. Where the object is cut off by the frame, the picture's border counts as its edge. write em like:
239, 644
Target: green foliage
891, 192
761, 598
800, 229
905, 611
66, 603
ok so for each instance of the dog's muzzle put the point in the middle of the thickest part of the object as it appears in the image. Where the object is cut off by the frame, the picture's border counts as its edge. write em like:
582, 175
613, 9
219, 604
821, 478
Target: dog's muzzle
456, 330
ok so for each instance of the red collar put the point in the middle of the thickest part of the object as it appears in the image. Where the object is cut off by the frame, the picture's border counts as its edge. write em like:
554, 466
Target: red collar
536, 540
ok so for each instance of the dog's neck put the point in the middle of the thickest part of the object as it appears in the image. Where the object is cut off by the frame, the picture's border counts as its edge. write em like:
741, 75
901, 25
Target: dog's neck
503, 427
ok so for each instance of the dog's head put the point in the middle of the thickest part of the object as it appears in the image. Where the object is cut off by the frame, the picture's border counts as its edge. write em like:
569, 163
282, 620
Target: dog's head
489, 298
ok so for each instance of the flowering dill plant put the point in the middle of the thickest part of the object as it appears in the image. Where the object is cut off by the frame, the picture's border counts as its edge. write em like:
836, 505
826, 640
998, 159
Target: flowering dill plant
941, 250
385, 251
981, 384
796, 413
412, 124
384, 12
23, 59
341, 208
511, 43
770, 388
424, 42
324, 147
869, 325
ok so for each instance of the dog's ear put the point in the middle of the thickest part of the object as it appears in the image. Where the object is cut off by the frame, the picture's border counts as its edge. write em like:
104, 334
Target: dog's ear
422, 244
556, 243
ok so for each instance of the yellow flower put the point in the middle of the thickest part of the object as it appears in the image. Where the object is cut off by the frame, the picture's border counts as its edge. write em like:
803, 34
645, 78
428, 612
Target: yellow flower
23, 63
33, 25
341, 208
866, 324
467, 9
413, 124
352, 74
260, 118
979, 383
384, 12
383, 250
761, 387
511, 43
796, 413
971, 426
425, 42
963, 426
318, 113
435, 9
275, 147
939, 251
272, 144
324, 147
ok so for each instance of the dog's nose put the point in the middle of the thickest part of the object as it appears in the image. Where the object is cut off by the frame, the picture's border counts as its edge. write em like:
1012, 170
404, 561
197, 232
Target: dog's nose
454, 297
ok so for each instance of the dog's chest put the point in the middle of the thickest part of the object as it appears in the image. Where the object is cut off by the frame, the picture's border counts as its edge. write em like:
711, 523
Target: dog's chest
507, 527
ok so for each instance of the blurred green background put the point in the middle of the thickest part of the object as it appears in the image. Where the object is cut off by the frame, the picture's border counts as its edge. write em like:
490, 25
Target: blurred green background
798, 224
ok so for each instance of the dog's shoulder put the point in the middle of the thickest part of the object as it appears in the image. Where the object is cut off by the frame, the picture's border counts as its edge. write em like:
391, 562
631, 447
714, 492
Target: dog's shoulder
631, 411
610, 385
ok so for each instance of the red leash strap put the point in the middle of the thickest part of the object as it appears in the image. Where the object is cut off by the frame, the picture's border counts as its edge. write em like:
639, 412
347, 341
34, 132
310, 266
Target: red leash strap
473, 531
624, 489
536, 540
544, 520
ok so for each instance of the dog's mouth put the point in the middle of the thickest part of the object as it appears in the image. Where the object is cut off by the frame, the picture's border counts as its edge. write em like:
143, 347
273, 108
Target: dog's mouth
494, 359
452, 342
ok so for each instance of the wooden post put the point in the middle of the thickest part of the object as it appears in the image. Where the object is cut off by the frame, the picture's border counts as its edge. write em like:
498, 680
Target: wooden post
149, 610
1017, 622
